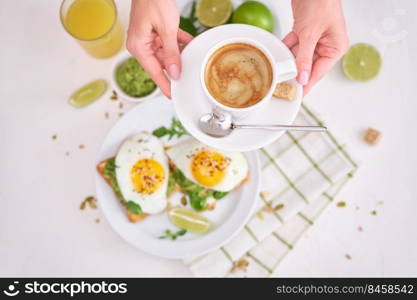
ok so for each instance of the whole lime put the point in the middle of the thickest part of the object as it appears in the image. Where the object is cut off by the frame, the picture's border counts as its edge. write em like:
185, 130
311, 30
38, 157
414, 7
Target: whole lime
254, 13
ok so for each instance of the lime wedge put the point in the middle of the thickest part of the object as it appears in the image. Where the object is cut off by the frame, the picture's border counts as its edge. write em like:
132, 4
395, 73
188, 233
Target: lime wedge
212, 13
88, 93
189, 220
362, 62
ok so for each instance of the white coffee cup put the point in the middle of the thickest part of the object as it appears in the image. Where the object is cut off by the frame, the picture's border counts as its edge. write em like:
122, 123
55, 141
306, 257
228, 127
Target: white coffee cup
281, 71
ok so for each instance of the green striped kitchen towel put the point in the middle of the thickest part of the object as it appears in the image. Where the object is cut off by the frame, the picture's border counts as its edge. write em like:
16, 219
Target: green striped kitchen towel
302, 173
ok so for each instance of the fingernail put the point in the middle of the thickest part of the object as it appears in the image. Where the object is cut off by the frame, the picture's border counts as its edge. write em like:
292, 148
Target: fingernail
303, 78
174, 71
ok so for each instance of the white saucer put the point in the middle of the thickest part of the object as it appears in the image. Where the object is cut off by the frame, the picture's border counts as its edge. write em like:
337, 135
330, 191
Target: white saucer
230, 215
190, 101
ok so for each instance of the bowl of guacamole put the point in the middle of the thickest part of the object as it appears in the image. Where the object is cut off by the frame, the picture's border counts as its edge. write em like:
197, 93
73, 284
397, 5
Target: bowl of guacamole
130, 79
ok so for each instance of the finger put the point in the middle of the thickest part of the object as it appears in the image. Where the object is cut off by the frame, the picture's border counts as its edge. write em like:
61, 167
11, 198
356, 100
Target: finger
171, 54
157, 74
295, 49
320, 68
184, 37
304, 58
290, 39
152, 66
156, 44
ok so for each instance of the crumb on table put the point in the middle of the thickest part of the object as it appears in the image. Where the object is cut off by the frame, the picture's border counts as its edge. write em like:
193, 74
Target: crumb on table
285, 91
372, 136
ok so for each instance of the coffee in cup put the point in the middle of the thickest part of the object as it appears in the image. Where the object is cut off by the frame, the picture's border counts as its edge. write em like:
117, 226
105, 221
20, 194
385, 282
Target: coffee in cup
238, 75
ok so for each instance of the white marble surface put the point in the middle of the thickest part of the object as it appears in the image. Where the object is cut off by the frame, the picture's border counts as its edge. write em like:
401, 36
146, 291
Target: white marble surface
42, 230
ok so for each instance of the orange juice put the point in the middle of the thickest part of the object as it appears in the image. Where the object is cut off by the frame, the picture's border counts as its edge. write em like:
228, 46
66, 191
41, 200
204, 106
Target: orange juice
94, 24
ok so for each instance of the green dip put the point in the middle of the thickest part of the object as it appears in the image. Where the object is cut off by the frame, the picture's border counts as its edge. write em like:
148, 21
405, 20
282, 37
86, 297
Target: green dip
133, 79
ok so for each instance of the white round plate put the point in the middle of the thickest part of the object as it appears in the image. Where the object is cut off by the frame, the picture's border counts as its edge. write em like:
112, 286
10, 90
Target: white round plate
190, 101
229, 216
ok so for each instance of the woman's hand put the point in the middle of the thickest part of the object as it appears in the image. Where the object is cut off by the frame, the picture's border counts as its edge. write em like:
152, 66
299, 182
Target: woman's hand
155, 39
318, 39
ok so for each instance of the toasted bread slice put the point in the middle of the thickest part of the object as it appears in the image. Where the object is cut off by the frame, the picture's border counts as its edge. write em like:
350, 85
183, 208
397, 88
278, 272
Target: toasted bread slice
131, 216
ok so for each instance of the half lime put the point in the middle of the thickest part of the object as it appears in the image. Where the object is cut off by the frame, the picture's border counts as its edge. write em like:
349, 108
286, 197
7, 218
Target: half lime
212, 13
362, 62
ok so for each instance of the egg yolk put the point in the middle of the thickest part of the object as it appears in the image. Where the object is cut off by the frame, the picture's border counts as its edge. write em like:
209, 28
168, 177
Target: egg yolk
208, 167
147, 175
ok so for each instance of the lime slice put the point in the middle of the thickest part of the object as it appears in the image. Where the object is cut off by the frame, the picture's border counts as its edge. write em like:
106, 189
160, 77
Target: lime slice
362, 62
189, 220
88, 93
212, 13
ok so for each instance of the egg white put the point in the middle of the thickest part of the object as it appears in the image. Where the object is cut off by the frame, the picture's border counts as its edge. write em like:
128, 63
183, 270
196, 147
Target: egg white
141, 146
182, 155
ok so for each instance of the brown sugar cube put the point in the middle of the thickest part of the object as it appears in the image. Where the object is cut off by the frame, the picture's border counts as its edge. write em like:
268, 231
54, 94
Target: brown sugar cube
372, 136
285, 91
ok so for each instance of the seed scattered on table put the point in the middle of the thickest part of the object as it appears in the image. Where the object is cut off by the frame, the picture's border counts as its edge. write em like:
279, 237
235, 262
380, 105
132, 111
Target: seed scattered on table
81, 146
67, 153
261, 215
265, 194
279, 207
120, 105
348, 256
373, 212
360, 228
54, 137
106, 115
341, 204
121, 114
241, 264
91, 201
372, 136
114, 96
97, 220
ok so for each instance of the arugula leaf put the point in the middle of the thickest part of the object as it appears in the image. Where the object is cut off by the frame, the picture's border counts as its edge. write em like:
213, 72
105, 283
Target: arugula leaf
160, 132
197, 202
168, 234
171, 184
176, 129
133, 207
110, 172
187, 23
181, 232
188, 26
219, 195
192, 17
197, 194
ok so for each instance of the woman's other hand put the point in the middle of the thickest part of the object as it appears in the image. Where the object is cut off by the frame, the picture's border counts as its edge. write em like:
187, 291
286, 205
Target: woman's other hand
318, 39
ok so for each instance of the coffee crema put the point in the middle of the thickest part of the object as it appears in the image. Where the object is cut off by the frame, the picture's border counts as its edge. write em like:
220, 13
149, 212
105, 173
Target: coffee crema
238, 75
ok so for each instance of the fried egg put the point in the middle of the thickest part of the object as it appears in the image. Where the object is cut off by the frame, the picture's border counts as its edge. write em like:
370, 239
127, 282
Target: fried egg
142, 172
214, 169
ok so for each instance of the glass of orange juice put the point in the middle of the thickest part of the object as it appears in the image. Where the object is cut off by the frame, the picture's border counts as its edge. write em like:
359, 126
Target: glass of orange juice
94, 24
